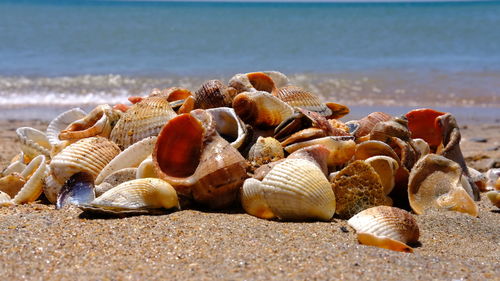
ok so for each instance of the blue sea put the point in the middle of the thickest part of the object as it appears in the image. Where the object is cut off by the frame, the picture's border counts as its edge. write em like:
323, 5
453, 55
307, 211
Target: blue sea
61, 54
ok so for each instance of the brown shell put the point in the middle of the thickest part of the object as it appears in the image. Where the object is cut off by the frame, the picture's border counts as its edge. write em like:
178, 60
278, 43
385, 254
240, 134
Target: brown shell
213, 93
253, 81
357, 187
298, 97
261, 109
265, 150
367, 123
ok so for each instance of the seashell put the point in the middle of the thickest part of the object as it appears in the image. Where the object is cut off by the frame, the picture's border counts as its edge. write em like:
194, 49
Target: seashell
78, 190
405, 152
341, 148
422, 124
339, 125
5, 199
265, 150
479, 179
383, 242
304, 135
493, 176
143, 119
253, 82
11, 184
253, 201
298, 97
175, 94
129, 158
421, 147
384, 131
212, 94
263, 170
116, 178
138, 196
386, 222
386, 168
34, 175
494, 197
88, 155
98, 122
261, 109
33, 142
371, 148
146, 169
365, 125
279, 79
197, 162
436, 182
16, 166
357, 187
230, 126
103, 187
61, 122
338, 110
297, 189
317, 154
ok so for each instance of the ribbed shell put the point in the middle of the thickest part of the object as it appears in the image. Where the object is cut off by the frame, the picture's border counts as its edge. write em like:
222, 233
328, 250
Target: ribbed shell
298, 97
35, 174
297, 189
116, 178
261, 109
140, 195
61, 122
88, 155
143, 119
33, 142
212, 94
385, 221
367, 123
129, 158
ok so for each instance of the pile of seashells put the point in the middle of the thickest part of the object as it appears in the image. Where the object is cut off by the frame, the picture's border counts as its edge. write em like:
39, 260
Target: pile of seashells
274, 148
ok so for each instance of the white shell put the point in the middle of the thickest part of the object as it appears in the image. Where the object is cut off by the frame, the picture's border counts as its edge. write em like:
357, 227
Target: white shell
61, 122
15, 167
35, 172
33, 142
129, 158
5, 199
228, 124
146, 169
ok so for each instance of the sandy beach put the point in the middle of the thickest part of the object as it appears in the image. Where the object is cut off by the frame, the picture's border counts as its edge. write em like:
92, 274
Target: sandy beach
39, 243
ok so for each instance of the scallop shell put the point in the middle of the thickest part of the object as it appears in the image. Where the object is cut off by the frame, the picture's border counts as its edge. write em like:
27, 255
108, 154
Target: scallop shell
197, 162
494, 197
143, 119
252, 82
212, 94
230, 126
34, 175
341, 148
98, 122
253, 201
129, 158
61, 122
88, 155
298, 97
436, 182
297, 189
12, 183
5, 199
386, 168
261, 109
135, 197
317, 154
265, 150
357, 187
33, 142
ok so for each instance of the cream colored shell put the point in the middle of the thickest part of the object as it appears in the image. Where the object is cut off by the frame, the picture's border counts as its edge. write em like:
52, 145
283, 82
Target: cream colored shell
61, 122
33, 142
5, 199
386, 168
34, 174
261, 109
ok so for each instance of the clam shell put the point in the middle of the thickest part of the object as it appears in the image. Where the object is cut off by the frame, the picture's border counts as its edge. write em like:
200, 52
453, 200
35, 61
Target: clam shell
135, 196
494, 197
265, 150
197, 162
212, 94
436, 182
366, 124
253, 201
357, 187
261, 109
297, 189
385, 221
317, 154
5, 199
341, 148
298, 97
143, 119
88, 155
129, 158
33, 142
98, 122
230, 126
78, 190
386, 168
11, 184
34, 174
61, 122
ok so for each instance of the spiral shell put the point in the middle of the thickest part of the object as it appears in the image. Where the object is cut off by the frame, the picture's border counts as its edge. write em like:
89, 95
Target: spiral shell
61, 122
261, 109
143, 119
98, 122
252, 82
135, 197
33, 142
230, 126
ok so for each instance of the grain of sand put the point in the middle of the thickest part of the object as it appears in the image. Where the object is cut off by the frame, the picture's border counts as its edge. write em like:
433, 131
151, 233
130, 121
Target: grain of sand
40, 243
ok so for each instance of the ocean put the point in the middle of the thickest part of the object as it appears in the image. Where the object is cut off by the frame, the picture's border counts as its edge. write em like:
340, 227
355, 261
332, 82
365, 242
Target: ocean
391, 56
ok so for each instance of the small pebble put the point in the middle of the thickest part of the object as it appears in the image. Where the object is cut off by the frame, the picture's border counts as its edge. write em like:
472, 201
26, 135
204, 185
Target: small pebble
479, 139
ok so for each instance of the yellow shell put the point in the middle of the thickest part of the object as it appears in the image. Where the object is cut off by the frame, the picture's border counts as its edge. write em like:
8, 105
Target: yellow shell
143, 119
136, 196
253, 201
88, 155
341, 148
494, 197
261, 109
436, 182
12, 183
146, 169
371, 148
357, 187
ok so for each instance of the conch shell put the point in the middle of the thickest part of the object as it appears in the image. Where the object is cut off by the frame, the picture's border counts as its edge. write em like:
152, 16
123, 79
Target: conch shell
261, 109
253, 82
197, 162
61, 122
99, 122
230, 126
437, 182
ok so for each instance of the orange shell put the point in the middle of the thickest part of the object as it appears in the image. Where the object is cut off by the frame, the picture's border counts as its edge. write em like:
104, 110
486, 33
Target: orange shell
422, 124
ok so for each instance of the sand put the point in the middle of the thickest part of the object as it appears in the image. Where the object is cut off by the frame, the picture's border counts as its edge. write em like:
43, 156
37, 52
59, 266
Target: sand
40, 243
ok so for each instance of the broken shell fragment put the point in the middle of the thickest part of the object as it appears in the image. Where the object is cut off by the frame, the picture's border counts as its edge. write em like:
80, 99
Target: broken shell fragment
494, 197
383, 242
436, 182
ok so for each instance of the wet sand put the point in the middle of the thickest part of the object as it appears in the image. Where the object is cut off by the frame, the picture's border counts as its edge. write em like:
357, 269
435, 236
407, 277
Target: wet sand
40, 243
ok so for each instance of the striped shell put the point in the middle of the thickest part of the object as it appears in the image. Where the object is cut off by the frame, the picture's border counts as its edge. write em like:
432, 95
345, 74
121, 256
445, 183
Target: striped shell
297, 189
33, 142
88, 155
298, 97
261, 109
116, 178
136, 196
143, 119
61, 122
366, 124
253, 201
212, 94
129, 158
